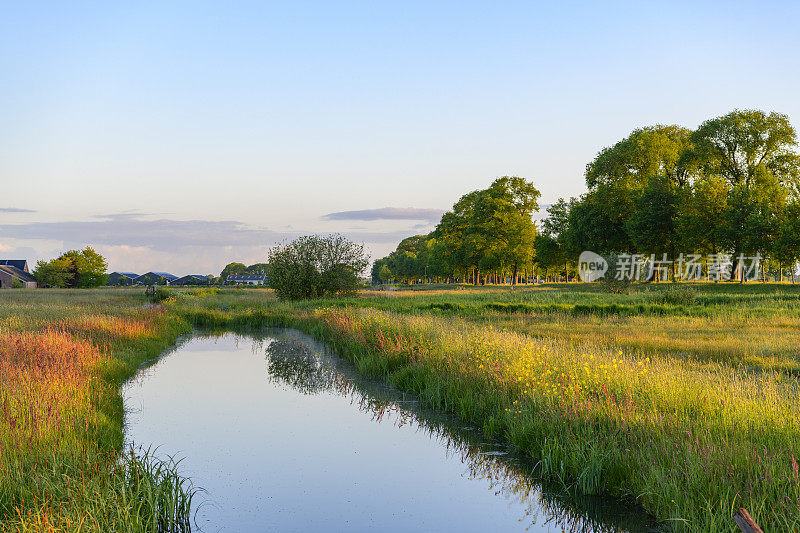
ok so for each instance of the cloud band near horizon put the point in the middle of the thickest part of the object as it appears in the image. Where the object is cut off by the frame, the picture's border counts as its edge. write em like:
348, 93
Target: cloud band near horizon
15, 210
387, 213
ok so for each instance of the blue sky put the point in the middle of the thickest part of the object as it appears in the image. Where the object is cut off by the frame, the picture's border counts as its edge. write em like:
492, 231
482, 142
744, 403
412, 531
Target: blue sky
186, 136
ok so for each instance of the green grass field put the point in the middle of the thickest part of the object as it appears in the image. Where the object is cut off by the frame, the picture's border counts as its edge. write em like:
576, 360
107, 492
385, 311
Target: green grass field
682, 400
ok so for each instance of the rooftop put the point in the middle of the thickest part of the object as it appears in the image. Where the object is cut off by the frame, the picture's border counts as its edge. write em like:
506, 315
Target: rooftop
21, 264
246, 277
17, 273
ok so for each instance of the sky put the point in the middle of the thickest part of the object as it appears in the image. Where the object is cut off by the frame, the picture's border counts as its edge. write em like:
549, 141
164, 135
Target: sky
183, 136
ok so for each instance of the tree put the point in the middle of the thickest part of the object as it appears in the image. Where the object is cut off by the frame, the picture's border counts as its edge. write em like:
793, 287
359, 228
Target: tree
75, 268
652, 226
384, 274
314, 266
753, 152
592, 226
737, 145
553, 249
502, 226
232, 269
701, 223
646, 152
787, 245
548, 252
376, 269
459, 246
257, 268
648, 162
409, 260
54, 273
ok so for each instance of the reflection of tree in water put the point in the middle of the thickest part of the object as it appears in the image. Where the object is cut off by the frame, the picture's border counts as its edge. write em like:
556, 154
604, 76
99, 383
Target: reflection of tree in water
297, 364
307, 366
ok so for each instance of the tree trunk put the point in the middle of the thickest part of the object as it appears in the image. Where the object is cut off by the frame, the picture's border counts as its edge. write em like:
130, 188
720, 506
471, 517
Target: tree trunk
737, 267
514, 276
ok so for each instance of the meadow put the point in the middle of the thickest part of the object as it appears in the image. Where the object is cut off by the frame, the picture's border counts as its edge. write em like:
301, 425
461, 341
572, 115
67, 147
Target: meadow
682, 400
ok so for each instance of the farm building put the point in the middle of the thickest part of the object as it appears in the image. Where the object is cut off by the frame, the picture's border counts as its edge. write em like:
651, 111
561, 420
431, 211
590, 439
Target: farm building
192, 279
121, 278
246, 279
15, 273
155, 278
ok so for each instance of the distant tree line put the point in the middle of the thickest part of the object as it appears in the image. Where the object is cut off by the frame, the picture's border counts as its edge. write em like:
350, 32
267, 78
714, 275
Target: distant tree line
240, 269
487, 235
729, 187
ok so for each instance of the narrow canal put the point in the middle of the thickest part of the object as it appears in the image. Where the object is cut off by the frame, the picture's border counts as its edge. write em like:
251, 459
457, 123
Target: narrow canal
283, 435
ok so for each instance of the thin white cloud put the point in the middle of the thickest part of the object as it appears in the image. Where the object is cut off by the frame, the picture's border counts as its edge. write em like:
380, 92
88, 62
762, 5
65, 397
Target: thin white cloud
15, 210
387, 213
131, 230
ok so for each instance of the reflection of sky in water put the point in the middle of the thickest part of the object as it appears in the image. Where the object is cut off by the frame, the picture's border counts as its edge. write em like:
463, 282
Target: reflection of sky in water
285, 436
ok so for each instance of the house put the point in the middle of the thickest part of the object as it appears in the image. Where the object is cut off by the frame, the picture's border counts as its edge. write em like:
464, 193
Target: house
121, 278
14, 272
192, 279
246, 279
155, 278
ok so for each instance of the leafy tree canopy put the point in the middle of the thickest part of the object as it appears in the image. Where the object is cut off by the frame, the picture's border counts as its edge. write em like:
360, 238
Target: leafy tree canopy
75, 268
314, 266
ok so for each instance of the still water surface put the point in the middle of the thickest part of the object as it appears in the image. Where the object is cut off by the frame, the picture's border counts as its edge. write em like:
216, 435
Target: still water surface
283, 435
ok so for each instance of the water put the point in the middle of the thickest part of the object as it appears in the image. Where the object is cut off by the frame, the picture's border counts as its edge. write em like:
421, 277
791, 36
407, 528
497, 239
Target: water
283, 435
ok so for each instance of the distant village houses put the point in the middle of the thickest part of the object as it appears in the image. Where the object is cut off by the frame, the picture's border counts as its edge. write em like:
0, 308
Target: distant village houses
127, 279
246, 279
15, 273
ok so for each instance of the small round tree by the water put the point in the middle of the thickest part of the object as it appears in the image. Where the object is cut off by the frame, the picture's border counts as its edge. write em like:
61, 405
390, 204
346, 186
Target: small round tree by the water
315, 266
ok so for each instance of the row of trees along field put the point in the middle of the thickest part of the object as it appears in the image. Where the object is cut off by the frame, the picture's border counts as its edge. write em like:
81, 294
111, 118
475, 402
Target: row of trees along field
731, 186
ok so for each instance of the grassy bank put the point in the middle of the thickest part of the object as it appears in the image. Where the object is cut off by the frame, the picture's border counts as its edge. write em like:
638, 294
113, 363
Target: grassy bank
63, 356
685, 403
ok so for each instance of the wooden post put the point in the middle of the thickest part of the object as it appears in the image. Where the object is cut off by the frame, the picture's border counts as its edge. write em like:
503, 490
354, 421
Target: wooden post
746, 522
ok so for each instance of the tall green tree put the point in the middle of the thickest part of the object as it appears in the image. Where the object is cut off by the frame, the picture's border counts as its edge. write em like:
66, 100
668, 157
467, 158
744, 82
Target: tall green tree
754, 153
503, 223
645, 165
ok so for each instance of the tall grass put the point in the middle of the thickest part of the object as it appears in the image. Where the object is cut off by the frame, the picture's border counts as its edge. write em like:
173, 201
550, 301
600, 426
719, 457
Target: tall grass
689, 442
61, 418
